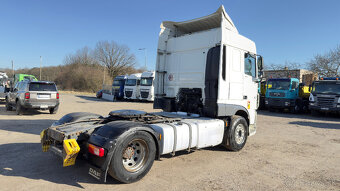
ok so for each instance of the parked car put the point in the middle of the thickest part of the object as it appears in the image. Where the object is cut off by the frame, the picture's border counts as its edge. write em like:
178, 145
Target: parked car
99, 94
33, 95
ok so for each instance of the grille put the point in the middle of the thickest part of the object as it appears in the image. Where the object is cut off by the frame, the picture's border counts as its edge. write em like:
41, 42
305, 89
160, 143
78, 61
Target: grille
277, 94
128, 93
144, 94
325, 101
116, 92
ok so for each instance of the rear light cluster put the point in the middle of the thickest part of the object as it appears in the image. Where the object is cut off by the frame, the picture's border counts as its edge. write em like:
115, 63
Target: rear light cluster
98, 151
57, 95
27, 95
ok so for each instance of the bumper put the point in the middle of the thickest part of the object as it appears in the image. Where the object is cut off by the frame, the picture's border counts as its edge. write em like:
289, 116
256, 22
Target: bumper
321, 108
41, 105
279, 102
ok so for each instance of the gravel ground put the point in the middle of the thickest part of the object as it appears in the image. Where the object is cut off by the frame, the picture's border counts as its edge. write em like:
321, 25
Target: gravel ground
289, 152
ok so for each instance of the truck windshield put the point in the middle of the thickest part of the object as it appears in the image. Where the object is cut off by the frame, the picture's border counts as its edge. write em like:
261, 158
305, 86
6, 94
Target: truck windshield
130, 82
117, 82
326, 87
279, 84
42, 87
146, 82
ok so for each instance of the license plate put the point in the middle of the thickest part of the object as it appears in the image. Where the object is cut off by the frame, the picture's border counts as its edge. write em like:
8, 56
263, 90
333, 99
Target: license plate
324, 108
44, 96
43, 107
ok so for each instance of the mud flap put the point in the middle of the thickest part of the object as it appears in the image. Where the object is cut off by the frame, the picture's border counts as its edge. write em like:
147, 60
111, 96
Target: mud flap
71, 150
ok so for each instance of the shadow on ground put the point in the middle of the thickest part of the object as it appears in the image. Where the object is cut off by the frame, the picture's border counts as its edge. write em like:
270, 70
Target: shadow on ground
317, 124
321, 117
32, 163
27, 159
25, 126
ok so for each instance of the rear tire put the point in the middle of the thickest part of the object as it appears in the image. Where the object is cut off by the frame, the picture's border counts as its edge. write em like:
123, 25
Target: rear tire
133, 158
8, 106
53, 110
236, 135
18, 108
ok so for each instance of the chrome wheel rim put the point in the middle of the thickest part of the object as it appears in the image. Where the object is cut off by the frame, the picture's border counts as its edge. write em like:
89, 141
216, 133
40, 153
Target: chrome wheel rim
135, 155
240, 134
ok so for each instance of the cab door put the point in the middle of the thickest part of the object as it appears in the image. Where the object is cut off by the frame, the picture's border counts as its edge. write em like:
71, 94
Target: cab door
250, 85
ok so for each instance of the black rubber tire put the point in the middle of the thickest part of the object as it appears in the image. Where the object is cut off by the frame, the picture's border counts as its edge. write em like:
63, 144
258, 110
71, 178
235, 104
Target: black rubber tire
117, 169
229, 137
294, 109
53, 110
8, 106
18, 108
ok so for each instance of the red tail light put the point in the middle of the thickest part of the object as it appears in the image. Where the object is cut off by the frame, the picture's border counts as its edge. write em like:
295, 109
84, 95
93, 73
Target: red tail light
96, 150
27, 95
57, 95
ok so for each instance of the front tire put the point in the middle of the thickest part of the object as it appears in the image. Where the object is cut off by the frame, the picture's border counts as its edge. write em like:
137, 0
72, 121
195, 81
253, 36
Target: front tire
237, 133
18, 108
133, 158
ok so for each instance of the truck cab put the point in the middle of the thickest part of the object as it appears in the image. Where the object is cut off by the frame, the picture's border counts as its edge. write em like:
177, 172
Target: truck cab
147, 86
204, 66
325, 95
118, 86
282, 93
132, 86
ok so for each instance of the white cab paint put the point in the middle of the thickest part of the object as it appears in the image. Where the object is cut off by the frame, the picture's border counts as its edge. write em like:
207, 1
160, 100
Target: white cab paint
131, 88
147, 86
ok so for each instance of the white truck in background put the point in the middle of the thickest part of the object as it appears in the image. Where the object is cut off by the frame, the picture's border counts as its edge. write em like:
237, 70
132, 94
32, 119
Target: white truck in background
132, 85
4, 86
147, 86
206, 82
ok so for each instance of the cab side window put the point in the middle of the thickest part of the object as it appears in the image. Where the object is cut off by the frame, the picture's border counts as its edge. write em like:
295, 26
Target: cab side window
294, 85
249, 65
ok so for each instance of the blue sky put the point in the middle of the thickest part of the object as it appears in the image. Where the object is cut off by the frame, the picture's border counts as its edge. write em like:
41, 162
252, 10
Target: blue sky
283, 31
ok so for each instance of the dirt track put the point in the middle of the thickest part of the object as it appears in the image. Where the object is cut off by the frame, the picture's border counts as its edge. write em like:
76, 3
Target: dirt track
289, 152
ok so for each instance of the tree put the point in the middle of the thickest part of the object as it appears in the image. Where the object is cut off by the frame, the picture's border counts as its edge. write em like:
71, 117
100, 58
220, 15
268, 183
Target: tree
116, 58
328, 64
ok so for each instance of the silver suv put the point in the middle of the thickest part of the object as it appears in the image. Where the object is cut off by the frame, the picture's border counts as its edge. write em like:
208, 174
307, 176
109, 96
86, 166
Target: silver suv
33, 95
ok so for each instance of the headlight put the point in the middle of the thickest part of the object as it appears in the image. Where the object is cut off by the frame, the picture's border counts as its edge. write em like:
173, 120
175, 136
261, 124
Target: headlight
311, 97
287, 103
339, 100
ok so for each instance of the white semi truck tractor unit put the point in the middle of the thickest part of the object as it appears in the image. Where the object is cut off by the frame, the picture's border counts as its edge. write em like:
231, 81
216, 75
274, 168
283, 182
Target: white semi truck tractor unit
204, 66
206, 82
147, 86
131, 88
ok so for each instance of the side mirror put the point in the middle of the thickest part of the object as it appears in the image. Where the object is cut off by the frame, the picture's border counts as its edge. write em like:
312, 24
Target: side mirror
260, 63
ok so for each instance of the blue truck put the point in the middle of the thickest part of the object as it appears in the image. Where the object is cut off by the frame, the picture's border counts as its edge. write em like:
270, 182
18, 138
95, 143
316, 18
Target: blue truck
325, 95
118, 86
286, 93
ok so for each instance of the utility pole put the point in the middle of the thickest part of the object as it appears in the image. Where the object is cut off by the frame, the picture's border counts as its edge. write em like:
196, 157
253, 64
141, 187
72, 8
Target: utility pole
104, 77
145, 55
13, 68
40, 67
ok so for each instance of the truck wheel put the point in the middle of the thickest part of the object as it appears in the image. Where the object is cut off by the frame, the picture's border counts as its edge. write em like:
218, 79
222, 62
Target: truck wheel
236, 135
8, 106
295, 109
18, 108
53, 110
133, 158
